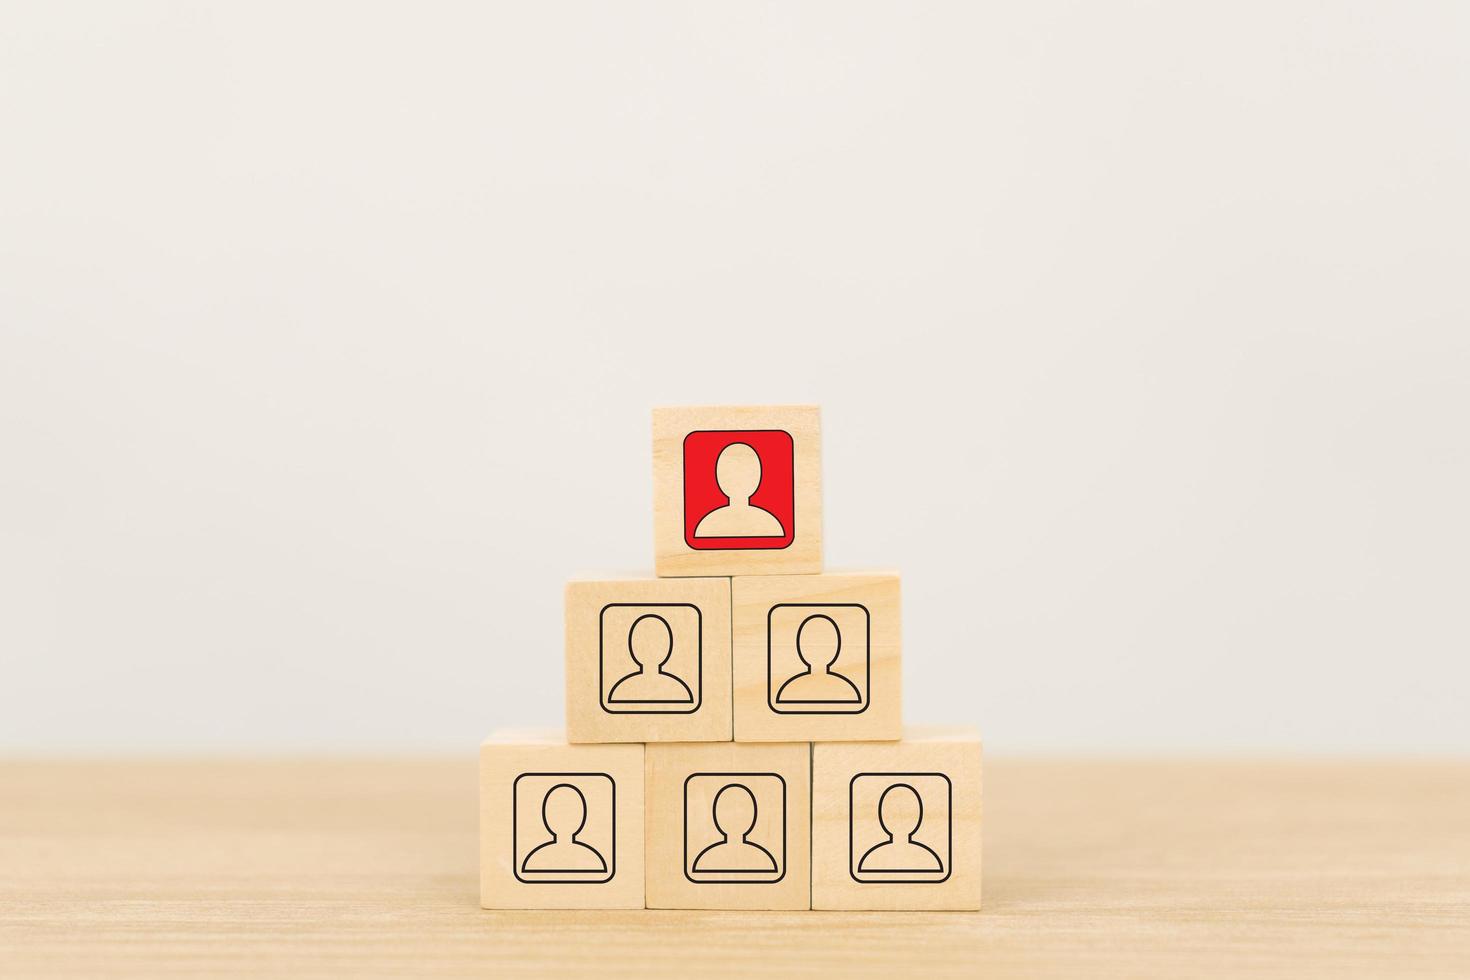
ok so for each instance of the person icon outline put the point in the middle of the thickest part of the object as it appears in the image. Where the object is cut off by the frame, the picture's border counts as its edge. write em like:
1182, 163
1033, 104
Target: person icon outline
564, 815
900, 817
734, 811
650, 647
738, 474
818, 651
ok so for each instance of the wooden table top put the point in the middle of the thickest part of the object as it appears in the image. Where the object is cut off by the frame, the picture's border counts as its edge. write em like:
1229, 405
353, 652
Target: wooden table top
1092, 869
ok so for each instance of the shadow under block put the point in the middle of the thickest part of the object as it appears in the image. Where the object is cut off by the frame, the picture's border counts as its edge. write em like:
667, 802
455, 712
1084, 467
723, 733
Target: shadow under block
896, 825
648, 660
817, 657
737, 490
729, 825
561, 826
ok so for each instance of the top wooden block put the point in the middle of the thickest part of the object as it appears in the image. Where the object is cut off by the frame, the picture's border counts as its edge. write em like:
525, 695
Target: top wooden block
737, 490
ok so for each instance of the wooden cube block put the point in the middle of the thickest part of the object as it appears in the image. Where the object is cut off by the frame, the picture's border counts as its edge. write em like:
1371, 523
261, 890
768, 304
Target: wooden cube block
817, 657
561, 826
729, 825
738, 490
896, 825
648, 660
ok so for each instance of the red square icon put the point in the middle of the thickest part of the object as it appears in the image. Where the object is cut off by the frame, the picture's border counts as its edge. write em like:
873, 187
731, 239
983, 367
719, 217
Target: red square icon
739, 490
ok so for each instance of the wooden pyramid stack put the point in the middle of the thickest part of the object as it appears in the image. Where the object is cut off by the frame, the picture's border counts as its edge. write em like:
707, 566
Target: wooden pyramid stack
735, 733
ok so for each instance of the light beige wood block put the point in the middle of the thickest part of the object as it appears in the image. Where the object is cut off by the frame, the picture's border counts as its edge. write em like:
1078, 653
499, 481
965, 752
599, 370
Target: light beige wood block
817, 657
896, 825
729, 825
561, 826
737, 490
648, 660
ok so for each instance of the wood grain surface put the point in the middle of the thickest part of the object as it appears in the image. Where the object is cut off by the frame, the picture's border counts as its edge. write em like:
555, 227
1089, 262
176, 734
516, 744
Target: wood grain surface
1096, 869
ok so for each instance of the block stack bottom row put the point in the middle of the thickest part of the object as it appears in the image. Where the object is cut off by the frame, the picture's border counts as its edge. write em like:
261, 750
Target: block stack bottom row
735, 734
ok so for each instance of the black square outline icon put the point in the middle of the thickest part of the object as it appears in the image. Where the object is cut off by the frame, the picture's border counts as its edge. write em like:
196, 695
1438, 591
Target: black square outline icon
867, 654
684, 483
852, 844
698, 656
735, 776
612, 858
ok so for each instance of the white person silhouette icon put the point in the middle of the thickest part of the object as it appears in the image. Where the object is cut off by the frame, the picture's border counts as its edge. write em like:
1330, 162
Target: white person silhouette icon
738, 474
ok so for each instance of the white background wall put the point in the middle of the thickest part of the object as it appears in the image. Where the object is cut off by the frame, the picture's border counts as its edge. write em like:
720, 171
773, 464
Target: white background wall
329, 331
